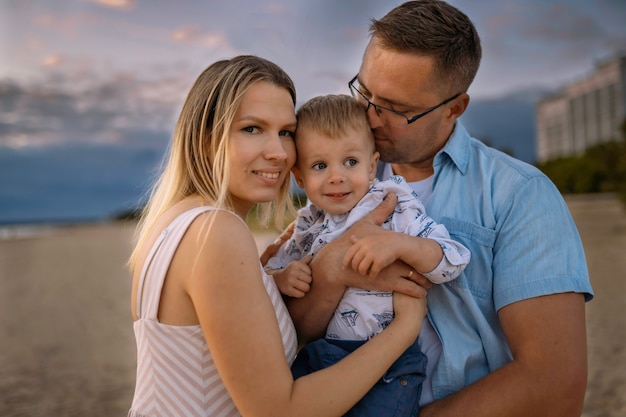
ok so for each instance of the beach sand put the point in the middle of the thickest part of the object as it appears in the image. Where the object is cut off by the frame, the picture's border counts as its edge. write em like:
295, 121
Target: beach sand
66, 338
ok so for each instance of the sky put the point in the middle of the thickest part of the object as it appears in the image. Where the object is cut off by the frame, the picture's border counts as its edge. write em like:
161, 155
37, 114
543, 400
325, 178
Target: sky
117, 71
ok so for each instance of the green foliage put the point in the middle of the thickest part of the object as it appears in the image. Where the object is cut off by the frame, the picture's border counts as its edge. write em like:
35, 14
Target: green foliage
602, 168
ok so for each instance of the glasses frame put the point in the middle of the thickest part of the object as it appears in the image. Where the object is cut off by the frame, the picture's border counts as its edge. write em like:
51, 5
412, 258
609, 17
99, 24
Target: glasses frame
409, 120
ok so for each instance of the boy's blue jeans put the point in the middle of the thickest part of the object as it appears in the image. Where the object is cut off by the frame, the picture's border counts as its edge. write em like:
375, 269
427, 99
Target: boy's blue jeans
396, 394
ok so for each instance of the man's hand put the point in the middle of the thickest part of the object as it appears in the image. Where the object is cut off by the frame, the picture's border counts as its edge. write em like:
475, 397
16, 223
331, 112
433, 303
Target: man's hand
273, 247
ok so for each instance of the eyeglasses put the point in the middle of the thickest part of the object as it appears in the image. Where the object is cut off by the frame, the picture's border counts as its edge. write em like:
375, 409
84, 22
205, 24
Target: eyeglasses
388, 116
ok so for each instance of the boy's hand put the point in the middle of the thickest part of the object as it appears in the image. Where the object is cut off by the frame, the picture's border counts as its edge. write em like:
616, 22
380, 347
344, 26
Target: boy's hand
295, 280
370, 254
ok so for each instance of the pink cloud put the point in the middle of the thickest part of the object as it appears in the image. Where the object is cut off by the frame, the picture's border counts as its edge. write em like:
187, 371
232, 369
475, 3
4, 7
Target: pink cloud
116, 4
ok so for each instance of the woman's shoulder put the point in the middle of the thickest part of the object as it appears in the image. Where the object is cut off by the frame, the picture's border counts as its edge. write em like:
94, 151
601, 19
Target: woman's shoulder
223, 230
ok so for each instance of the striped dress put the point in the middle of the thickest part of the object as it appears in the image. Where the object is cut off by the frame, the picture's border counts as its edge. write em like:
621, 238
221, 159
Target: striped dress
176, 375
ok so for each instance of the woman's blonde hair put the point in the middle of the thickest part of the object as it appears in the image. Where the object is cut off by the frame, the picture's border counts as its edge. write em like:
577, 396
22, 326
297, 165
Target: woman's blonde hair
197, 161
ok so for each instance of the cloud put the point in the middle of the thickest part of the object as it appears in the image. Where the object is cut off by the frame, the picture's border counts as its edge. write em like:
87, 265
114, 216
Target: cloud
194, 36
52, 60
54, 111
115, 4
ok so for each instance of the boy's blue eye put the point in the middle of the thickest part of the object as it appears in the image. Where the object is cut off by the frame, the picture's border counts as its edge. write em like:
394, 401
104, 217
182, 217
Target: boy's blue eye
319, 166
351, 162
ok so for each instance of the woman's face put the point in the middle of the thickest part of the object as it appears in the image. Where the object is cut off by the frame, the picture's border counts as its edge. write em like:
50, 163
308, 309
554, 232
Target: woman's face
262, 149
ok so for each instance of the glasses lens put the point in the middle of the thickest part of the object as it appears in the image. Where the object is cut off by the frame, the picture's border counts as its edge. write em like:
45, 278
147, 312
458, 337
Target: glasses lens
386, 116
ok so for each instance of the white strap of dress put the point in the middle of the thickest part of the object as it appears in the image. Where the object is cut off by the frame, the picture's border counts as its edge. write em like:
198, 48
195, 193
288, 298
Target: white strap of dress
167, 242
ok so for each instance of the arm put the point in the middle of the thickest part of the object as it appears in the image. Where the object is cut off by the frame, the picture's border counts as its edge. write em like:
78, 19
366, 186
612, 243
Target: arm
548, 374
239, 323
539, 282
370, 254
312, 312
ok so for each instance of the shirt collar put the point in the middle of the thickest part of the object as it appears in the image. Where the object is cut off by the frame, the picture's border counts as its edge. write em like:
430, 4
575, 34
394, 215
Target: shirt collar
456, 149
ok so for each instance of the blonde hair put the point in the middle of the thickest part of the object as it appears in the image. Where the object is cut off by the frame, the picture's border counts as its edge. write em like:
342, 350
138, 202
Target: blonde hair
333, 115
197, 161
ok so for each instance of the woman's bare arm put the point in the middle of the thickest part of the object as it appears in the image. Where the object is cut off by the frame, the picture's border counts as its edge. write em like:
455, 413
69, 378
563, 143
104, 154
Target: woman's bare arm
240, 326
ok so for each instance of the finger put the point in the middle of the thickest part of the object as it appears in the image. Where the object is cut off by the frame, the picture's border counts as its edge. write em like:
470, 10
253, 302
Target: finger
374, 271
306, 276
364, 265
384, 209
420, 280
273, 247
348, 258
268, 252
302, 286
286, 234
295, 293
357, 259
307, 260
407, 287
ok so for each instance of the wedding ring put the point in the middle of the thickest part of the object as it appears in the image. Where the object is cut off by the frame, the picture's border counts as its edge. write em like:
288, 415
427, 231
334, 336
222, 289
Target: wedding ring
410, 273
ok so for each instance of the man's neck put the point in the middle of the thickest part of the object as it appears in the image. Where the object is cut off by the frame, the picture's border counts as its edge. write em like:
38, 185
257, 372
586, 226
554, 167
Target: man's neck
412, 173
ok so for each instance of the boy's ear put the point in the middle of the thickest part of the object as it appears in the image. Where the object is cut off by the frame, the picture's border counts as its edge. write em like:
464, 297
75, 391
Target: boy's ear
297, 177
375, 158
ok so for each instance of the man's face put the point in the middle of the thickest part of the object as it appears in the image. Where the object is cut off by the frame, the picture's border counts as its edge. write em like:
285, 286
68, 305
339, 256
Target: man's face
406, 83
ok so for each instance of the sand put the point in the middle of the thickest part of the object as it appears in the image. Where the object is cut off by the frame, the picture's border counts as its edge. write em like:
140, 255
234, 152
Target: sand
66, 340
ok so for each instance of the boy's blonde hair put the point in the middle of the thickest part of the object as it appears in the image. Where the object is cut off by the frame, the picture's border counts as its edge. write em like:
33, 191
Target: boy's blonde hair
197, 161
333, 115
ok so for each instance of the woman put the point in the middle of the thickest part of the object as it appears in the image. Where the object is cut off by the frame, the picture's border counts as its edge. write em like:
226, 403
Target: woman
213, 335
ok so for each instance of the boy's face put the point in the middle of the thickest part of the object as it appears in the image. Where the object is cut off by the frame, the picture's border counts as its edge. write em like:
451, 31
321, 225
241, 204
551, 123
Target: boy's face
335, 172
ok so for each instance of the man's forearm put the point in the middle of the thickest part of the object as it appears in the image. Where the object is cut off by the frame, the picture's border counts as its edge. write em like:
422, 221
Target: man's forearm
511, 391
549, 373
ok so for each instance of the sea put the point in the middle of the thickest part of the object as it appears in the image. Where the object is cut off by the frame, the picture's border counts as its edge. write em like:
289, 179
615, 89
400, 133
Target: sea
78, 182
72, 183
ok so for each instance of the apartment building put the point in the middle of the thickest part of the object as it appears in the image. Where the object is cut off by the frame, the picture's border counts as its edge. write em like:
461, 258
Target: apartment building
584, 113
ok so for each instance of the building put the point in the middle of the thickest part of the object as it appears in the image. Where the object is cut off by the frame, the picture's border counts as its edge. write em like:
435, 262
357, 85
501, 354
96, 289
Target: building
584, 113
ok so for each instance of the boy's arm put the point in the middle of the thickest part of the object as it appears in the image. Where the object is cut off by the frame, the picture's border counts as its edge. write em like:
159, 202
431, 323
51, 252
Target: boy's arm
370, 254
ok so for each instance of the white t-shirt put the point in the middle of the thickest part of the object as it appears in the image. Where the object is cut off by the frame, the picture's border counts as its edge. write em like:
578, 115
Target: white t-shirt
428, 339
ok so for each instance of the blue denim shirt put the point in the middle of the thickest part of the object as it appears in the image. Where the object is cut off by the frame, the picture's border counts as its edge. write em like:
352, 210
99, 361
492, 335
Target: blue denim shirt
523, 242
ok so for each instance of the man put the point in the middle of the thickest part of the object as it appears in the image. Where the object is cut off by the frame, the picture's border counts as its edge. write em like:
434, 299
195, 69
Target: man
507, 338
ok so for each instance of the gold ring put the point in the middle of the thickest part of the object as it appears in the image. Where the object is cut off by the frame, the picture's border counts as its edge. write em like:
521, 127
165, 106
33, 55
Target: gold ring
410, 273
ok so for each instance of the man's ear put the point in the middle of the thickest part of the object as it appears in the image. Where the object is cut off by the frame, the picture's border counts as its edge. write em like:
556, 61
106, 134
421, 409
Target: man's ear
297, 176
458, 106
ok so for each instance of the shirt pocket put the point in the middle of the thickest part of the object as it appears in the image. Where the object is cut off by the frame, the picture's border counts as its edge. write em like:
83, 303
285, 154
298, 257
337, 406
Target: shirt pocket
465, 231
480, 240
